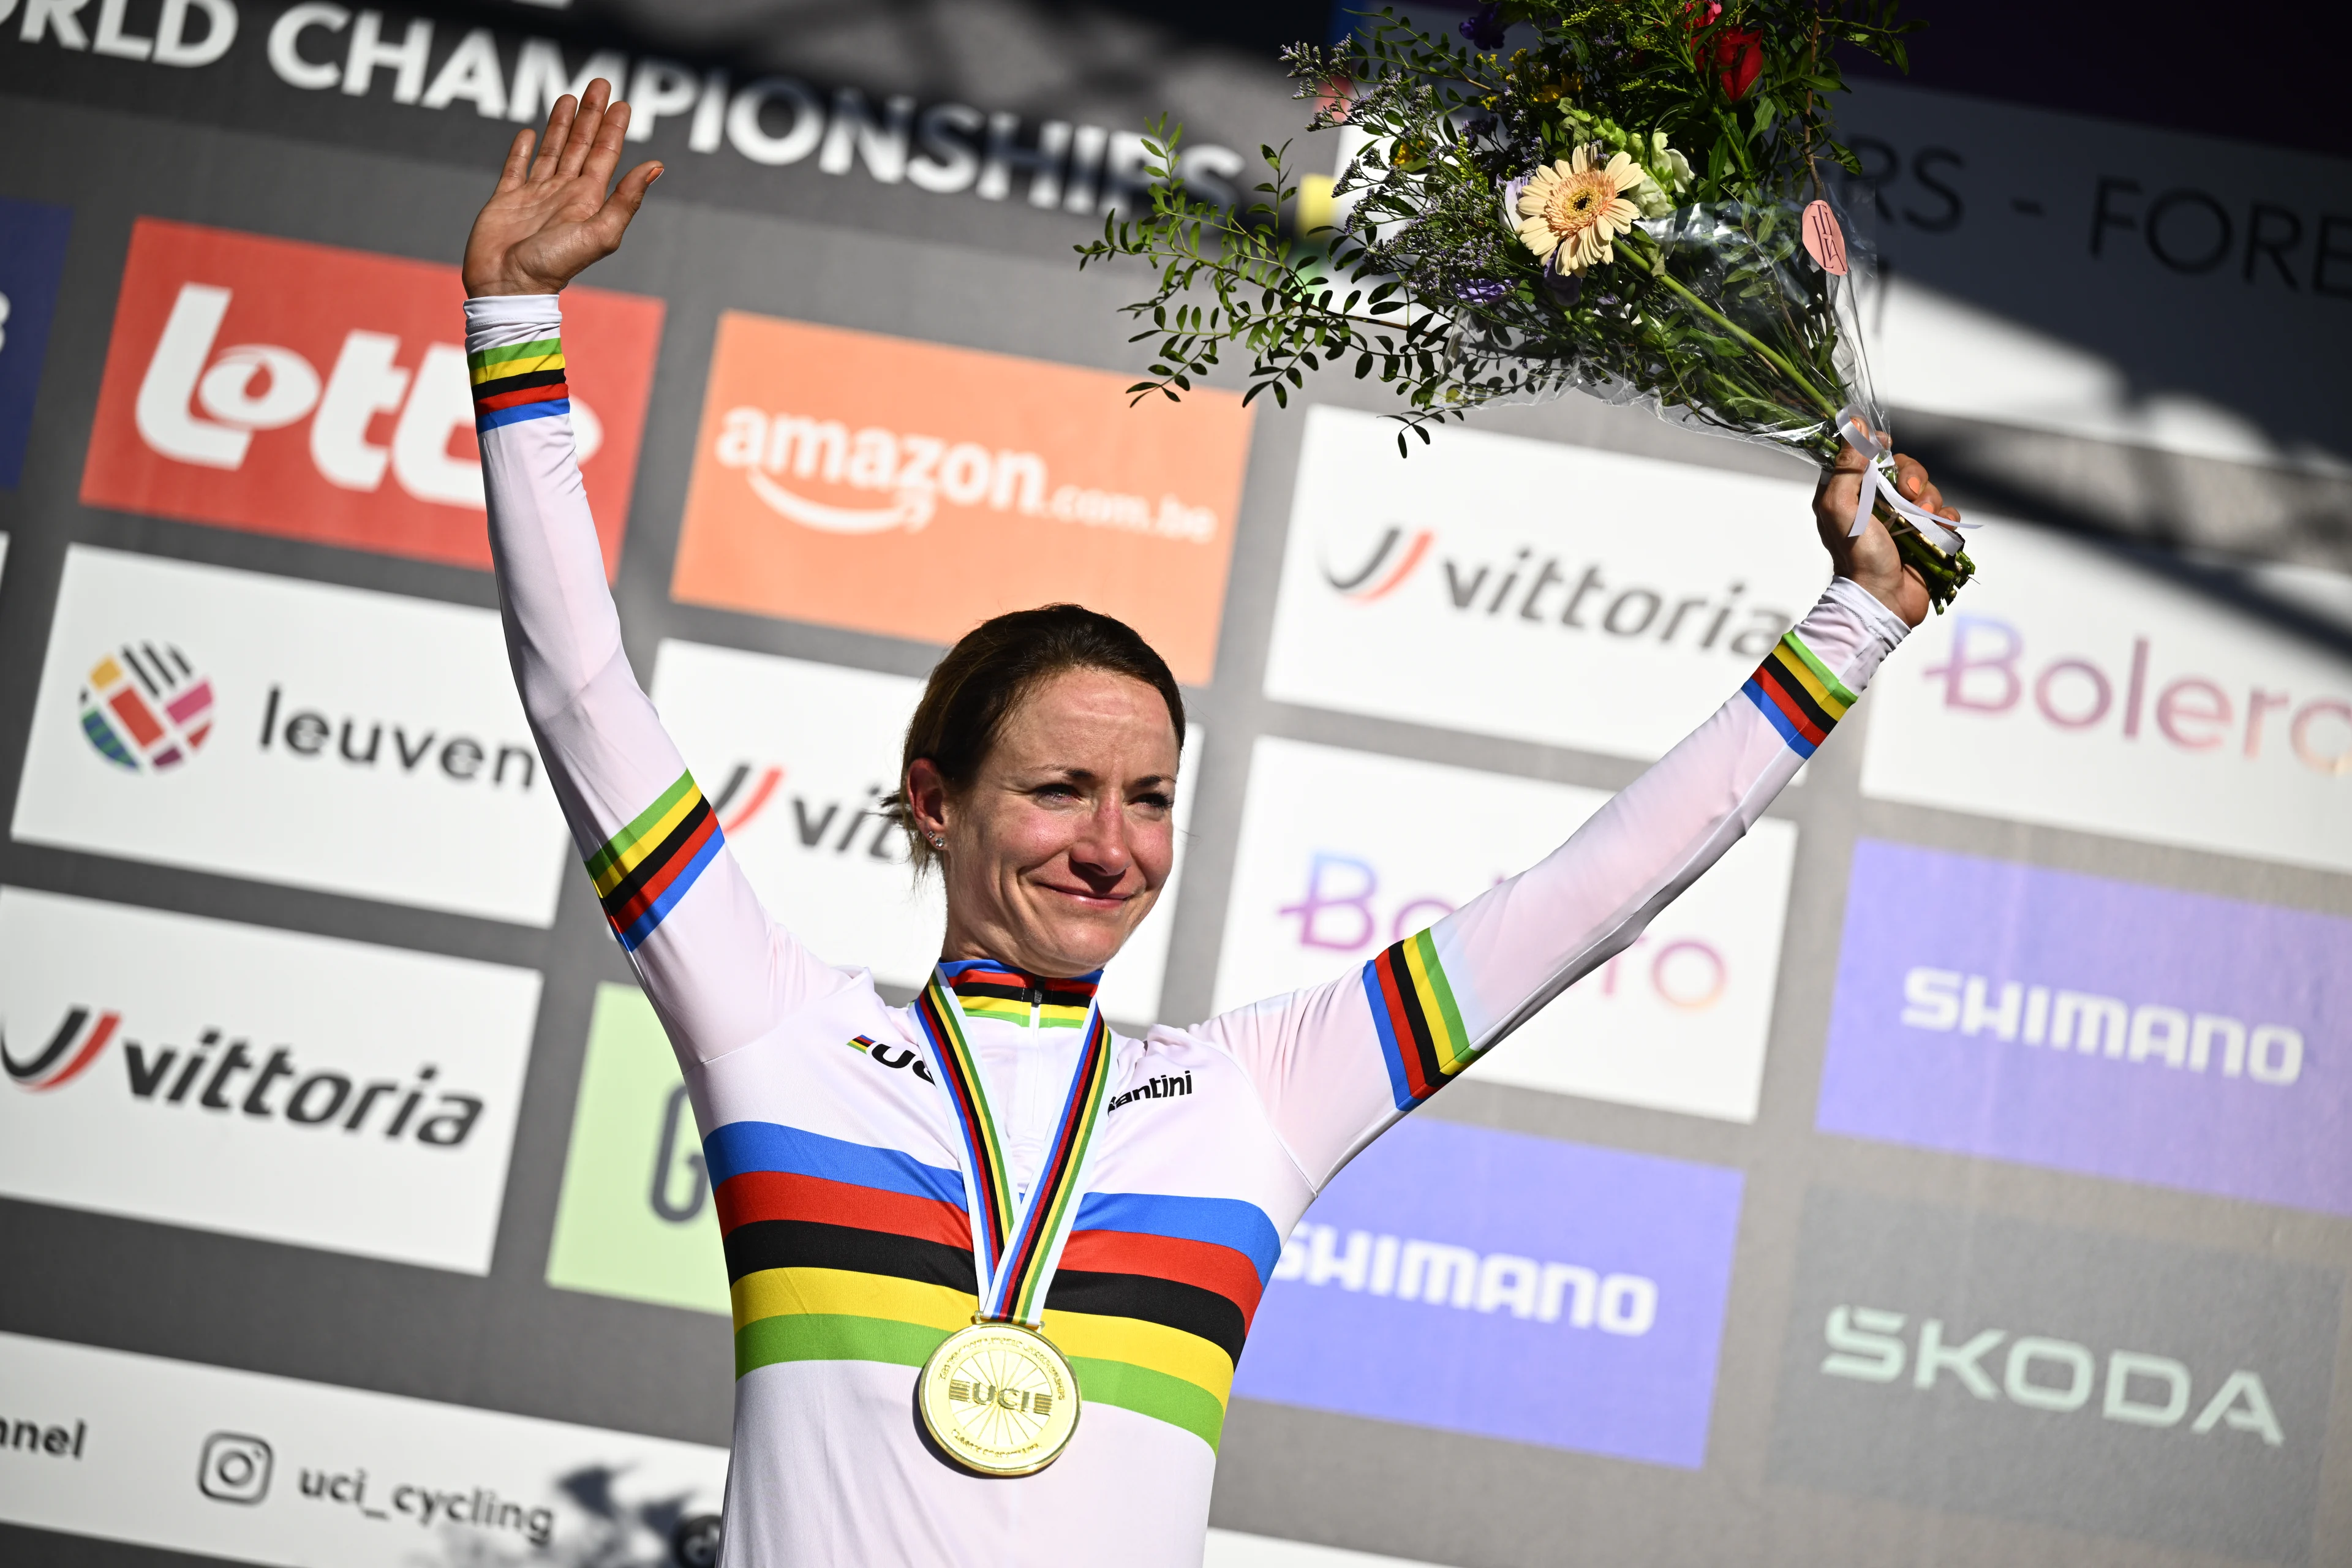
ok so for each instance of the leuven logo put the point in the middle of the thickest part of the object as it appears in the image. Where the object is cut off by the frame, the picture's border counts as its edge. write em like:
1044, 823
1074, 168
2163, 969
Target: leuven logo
146, 707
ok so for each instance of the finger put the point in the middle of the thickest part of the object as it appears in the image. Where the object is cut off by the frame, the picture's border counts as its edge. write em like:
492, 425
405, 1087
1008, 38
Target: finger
517, 166
550, 146
605, 155
1910, 477
612, 220
1849, 460
584, 129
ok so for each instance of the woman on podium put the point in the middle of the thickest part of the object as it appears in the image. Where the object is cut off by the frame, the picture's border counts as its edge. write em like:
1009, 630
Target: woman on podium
988, 1312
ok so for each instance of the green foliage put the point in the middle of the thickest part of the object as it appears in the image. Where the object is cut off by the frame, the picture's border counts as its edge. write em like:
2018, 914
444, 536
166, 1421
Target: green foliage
1708, 308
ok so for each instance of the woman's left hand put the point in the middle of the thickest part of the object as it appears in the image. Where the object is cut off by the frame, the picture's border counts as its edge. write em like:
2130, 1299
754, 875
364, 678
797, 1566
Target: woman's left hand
1870, 557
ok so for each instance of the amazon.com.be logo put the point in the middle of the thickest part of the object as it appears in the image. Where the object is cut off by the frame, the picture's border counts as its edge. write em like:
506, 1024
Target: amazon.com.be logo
146, 708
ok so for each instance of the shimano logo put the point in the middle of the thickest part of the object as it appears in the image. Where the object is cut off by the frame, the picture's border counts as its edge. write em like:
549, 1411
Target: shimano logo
1944, 1000
1447, 1275
2134, 1388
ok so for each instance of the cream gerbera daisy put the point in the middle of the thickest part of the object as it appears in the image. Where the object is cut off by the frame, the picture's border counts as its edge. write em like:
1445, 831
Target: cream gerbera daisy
1572, 210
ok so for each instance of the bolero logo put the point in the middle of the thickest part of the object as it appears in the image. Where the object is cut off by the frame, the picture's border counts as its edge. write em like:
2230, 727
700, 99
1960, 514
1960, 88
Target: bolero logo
300, 390
145, 707
77, 1044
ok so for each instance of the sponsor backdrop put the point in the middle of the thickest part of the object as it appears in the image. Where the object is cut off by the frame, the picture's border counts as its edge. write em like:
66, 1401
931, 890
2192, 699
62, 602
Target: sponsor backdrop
1957, 1175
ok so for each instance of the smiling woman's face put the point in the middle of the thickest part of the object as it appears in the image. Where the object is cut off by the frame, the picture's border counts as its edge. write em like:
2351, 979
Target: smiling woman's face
1058, 849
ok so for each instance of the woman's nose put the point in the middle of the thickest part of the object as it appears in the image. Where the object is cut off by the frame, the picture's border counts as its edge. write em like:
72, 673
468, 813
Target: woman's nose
1102, 840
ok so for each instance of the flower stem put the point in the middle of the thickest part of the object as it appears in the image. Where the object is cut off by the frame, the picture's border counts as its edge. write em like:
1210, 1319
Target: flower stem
1658, 270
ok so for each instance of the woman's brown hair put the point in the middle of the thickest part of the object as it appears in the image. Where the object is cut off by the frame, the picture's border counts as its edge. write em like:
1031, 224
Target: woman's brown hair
975, 689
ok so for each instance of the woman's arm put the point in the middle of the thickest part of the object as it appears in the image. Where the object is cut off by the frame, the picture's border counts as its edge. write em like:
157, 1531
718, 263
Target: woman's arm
717, 968
1339, 1064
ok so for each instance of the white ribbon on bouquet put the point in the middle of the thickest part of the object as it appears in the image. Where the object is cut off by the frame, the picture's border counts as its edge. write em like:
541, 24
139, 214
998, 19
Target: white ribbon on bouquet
1879, 474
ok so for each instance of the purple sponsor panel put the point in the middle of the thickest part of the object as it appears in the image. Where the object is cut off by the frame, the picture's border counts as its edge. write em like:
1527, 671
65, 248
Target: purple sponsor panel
1991, 1008
1508, 1287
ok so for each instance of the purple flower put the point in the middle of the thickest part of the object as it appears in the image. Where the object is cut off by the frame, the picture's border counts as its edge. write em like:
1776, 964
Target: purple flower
1483, 27
1480, 290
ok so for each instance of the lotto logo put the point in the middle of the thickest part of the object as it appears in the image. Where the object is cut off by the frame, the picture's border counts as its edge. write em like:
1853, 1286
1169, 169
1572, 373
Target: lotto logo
321, 394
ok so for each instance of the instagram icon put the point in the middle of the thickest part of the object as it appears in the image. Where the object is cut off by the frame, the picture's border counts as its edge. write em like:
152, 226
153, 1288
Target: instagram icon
234, 1468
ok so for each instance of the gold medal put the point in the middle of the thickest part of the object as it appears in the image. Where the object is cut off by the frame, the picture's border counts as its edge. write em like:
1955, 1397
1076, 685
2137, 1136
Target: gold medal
999, 1398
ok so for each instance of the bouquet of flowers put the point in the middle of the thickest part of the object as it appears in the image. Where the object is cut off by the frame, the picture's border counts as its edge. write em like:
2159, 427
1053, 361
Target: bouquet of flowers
1632, 206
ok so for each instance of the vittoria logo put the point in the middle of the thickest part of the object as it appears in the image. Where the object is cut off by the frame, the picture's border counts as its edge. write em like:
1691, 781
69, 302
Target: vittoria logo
1383, 572
220, 1074
1407, 583
77, 1043
1545, 589
853, 826
323, 394
273, 1084
146, 708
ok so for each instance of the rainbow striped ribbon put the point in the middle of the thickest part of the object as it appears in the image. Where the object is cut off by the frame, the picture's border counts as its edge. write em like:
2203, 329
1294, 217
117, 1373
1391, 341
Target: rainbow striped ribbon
1014, 1246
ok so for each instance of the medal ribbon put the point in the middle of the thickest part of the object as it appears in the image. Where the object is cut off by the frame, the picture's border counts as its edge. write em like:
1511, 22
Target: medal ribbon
1015, 1246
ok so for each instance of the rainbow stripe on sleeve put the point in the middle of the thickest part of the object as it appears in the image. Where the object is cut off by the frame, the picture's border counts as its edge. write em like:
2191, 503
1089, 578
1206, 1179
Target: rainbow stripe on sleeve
645, 868
1420, 1029
518, 381
1798, 694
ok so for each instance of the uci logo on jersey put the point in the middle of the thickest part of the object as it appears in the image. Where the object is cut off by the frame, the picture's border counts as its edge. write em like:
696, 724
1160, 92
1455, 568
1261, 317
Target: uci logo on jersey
905, 1056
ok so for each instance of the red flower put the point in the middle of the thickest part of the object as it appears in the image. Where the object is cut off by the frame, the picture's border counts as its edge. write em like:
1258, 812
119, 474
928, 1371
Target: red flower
1738, 59
1738, 52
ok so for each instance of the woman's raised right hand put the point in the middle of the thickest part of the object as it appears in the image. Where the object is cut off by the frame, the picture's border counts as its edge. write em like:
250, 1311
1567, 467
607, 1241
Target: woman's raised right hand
550, 219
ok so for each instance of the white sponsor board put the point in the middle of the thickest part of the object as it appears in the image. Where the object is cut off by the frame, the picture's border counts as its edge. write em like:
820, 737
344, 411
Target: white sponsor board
255, 1468
2076, 687
321, 737
2032, 250
1343, 853
793, 757
1548, 593
299, 1089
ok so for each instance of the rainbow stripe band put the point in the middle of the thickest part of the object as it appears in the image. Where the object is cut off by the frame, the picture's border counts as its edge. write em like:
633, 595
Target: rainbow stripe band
1798, 694
643, 869
518, 381
1014, 1252
986, 989
1420, 1029
840, 1251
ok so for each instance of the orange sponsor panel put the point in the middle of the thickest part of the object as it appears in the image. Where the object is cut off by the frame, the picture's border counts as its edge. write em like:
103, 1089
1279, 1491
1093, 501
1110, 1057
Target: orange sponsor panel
904, 487
321, 394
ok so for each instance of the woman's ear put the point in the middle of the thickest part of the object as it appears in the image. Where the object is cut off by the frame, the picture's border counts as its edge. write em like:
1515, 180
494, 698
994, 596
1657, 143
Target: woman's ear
926, 797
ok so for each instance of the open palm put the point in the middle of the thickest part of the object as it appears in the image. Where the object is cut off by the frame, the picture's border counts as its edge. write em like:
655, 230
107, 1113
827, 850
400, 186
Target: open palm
551, 216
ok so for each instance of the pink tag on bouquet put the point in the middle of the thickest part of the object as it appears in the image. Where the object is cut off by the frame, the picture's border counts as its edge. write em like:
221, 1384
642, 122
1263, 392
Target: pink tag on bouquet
1824, 241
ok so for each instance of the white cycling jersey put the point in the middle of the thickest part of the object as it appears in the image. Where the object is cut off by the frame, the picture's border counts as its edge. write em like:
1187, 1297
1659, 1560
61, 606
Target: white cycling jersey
831, 1157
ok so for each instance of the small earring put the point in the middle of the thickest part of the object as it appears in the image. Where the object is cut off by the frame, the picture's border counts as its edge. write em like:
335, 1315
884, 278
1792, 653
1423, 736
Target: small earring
939, 841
